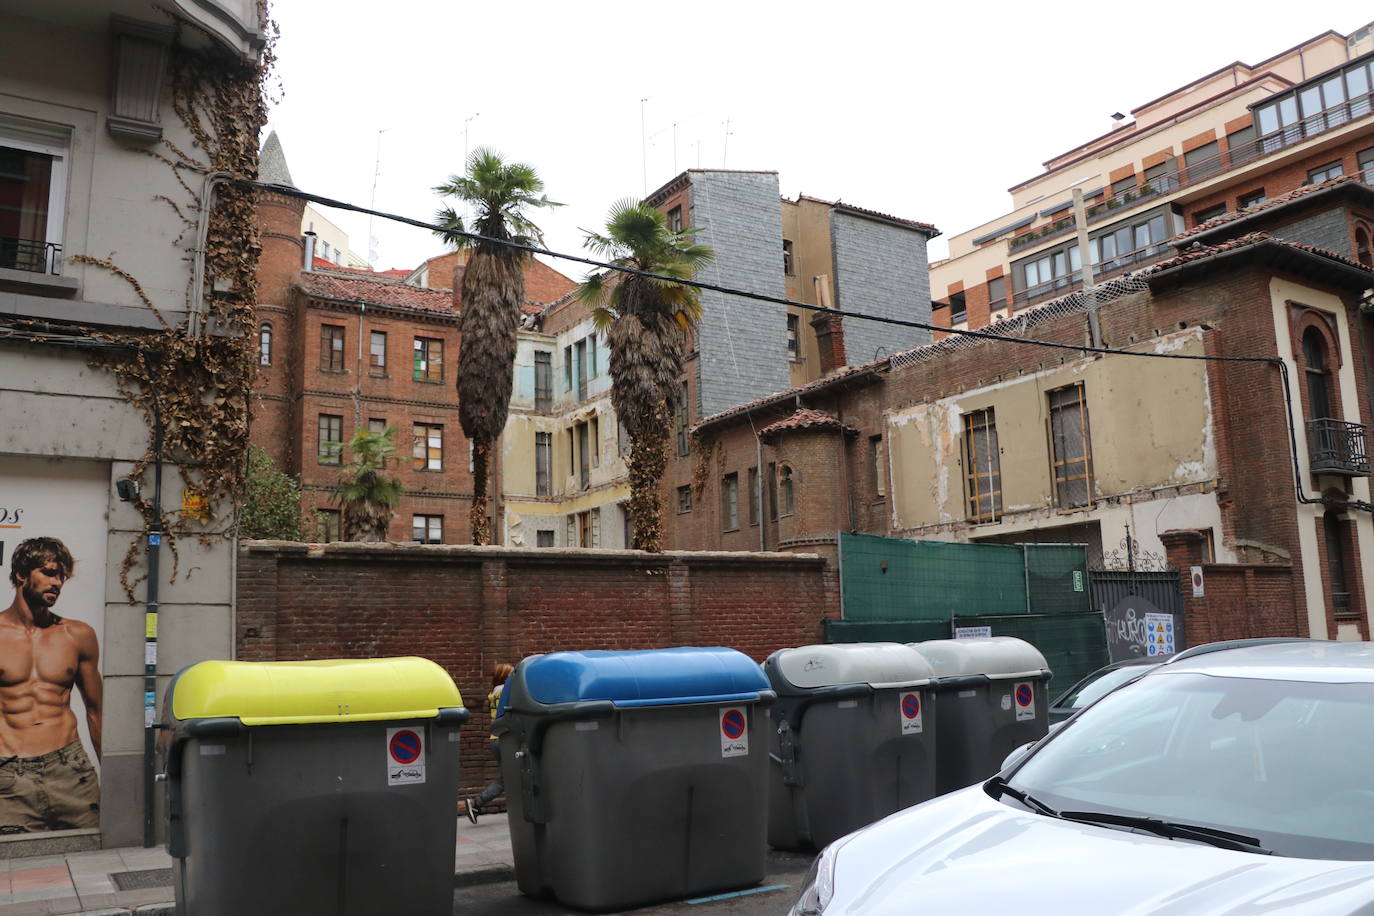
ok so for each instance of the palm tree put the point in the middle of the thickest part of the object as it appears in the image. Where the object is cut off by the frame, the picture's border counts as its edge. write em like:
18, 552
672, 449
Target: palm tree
645, 320
365, 494
493, 290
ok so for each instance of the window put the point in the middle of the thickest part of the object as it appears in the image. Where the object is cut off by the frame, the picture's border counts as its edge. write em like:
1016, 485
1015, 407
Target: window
1335, 541
584, 448
584, 528
1324, 172
1241, 146
1365, 160
1321, 105
429, 359
580, 353
1070, 448
793, 332
675, 219
428, 447
879, 465
753, 496
1049, 272
684, 499
958, 308
729, 501
376, 426
787, 499
1160, 178
997, 293
593, 365
543, 537
332, 347
627, 525
982, 466
427, 529
1128, 244
543, 380
1318, 375
330, 439
567, 368
787, 266
543, 464
680, 422
1122, 185
1203, 216
772, 483
329, 524
265, 344
1249, 200
595, 435
376, 353
1203, 162
33, 198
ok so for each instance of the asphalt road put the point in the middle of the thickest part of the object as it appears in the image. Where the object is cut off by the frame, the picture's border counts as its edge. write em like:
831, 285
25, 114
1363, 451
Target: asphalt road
784, 868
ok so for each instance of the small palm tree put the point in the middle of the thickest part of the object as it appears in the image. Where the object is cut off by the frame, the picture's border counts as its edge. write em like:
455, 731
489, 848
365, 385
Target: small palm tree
493, 290
366, 496
645, 320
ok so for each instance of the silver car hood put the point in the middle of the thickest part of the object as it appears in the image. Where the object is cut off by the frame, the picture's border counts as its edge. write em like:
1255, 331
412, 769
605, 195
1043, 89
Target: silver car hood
967, 853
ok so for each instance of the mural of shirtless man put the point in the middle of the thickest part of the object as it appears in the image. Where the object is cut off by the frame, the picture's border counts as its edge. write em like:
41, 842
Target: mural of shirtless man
47, 781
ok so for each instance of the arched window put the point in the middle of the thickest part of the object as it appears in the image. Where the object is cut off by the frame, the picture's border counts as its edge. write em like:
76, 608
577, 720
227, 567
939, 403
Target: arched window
265, 344
787, 499
1362, 253
1318, 374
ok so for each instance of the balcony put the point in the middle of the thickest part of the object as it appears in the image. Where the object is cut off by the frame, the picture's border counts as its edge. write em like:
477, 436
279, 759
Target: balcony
1337, 447
1204, 170
30, 255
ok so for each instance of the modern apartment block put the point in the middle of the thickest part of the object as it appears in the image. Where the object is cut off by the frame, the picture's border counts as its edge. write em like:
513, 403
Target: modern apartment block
1226, 143
99, 266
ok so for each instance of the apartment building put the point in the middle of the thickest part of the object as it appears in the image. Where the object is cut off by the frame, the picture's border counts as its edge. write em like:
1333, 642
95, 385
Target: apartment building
99, 269
1225, 143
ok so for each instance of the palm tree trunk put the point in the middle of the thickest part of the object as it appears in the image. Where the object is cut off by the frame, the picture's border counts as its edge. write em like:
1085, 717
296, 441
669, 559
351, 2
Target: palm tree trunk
648, 460
477, 517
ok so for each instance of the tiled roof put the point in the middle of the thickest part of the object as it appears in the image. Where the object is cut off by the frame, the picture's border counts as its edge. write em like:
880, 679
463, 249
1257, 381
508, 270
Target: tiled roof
393, 273
1201, 252
1286, 198
839, 375
804, 418
543, 284
378, 292
927, 227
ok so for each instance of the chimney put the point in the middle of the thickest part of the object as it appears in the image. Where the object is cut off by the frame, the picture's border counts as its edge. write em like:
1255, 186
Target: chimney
309, 250
829, 329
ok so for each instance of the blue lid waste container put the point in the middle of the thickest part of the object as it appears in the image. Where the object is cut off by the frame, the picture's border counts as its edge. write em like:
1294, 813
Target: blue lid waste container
990, 700
318, 787
853, 739
633, 777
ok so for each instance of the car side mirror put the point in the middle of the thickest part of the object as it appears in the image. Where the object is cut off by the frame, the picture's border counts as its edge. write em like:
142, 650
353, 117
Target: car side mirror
1016, 756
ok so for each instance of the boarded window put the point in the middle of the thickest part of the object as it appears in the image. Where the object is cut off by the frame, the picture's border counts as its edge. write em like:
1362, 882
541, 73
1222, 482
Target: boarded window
1071, 450
982, 466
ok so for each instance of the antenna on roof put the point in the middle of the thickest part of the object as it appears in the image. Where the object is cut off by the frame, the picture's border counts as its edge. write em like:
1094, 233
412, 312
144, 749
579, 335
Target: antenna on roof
376, 170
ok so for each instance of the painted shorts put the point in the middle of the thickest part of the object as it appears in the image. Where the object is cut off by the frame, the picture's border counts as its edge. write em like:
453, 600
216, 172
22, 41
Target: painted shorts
58, 790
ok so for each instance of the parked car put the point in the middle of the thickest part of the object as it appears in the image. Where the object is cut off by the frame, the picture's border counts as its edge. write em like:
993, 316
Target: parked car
1228, 781
1095, 686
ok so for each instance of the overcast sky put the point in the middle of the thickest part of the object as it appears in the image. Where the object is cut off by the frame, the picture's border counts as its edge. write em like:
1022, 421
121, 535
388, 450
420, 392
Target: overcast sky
923, 110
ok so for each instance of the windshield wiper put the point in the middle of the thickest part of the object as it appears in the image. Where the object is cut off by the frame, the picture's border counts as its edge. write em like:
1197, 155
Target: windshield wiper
1222, 839
1000, 787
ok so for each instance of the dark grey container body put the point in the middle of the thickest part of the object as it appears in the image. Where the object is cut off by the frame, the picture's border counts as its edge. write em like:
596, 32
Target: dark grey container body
299, 820
850, 764
978, 726
628, 806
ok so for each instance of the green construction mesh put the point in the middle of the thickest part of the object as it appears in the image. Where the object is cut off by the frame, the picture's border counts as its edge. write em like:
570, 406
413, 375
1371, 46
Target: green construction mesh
885, 630
1057, 578
1073, 644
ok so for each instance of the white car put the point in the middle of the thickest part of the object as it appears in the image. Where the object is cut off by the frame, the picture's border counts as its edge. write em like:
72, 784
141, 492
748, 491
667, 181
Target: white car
1239, 780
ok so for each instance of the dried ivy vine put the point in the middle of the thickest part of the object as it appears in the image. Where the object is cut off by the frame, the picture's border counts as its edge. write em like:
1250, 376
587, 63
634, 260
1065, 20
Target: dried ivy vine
195, 382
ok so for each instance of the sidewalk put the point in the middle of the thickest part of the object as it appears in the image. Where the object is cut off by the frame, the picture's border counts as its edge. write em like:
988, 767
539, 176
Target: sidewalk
119, 882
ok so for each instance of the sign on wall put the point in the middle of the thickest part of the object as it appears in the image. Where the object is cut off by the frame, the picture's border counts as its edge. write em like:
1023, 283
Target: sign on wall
53, 531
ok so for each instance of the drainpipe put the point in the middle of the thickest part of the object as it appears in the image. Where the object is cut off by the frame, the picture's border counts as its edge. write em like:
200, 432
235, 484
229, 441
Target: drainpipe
196, 319
154, 549
762, 481
309, 251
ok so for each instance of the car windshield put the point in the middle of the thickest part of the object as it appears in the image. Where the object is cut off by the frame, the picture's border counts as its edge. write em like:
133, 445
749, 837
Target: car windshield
1288, 762
1094, 690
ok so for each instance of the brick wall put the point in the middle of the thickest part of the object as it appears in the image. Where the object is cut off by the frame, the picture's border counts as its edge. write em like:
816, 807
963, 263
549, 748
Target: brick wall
1239, 600
469, 608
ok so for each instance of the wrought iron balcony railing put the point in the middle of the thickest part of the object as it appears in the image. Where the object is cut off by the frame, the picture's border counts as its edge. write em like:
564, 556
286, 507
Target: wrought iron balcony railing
1337, 447
30, 255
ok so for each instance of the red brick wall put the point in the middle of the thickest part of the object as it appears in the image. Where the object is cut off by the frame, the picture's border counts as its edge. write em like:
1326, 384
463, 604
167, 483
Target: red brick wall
469, 608
1239, 600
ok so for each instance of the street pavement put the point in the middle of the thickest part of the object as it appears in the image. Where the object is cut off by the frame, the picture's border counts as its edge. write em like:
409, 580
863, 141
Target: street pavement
95, 882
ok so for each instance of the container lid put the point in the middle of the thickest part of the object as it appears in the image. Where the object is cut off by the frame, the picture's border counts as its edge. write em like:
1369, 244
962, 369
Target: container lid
878, 664
653, 677
334, 690
997, 657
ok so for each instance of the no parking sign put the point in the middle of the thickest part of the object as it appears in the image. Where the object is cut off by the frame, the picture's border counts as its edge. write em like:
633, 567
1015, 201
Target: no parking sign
1024, 696
405, 756
734, 732
909, 706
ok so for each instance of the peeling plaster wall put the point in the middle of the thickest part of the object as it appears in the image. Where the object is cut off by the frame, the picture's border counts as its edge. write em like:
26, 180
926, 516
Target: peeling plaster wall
1151, 431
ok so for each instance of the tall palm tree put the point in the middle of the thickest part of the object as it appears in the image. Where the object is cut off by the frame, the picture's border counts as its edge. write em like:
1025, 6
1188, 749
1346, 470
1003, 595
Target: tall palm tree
365, 494
492, 292
645, 320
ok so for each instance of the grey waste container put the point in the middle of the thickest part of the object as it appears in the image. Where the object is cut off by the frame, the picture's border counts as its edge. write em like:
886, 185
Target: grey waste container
853, 739
990, 699
635, 776
324, 787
